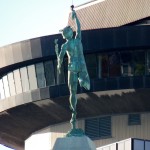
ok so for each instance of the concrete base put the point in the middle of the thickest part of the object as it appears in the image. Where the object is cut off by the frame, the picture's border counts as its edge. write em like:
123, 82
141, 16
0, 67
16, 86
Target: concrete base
74, 143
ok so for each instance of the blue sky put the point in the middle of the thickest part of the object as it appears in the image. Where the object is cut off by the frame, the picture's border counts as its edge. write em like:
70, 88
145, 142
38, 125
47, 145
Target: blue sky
25, 19
4, 148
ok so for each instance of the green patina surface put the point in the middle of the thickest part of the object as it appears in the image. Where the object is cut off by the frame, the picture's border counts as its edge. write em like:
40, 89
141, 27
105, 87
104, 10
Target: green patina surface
77, 70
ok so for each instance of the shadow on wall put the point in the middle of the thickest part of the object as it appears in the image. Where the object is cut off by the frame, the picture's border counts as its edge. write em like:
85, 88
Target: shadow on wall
113, 102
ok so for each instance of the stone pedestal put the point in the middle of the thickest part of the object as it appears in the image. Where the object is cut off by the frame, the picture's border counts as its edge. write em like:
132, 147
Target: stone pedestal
74, 143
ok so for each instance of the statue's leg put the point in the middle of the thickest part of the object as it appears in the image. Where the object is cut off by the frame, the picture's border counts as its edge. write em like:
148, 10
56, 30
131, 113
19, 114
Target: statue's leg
72, 84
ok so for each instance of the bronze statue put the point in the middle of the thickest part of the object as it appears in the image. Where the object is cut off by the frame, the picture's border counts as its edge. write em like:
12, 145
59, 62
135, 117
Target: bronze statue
77, 71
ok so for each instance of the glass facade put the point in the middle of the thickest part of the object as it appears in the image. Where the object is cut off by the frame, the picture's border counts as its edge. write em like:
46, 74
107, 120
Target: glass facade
115, 64
99, 66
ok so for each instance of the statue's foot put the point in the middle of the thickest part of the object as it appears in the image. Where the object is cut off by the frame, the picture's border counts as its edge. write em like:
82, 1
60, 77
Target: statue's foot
75, 132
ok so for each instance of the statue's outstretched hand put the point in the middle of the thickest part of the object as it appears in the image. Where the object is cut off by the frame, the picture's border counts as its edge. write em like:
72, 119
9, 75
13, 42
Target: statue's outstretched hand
56, 41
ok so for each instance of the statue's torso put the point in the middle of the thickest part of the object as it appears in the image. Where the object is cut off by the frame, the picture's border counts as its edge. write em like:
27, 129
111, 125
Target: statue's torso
75, 55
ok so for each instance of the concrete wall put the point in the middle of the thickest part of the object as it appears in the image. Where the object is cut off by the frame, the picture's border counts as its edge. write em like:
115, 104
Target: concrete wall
39, 141
120, 130
45, 138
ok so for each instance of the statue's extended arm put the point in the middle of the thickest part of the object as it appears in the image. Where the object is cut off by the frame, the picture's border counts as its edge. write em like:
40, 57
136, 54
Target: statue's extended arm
78, 27
60, 55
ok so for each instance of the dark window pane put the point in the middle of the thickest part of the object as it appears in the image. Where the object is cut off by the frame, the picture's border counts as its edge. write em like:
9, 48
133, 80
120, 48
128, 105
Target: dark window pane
91, 64
139, 63
103, 65
40, 75
98, 127
92, 127
126, 63
105, 126
134, 119
49, 73
114, 65
148, 63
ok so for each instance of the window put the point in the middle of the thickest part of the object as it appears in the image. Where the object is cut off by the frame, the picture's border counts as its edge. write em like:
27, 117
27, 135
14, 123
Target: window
134, 119
138, 145
6, 87
49, 73
148, 63
105, 126
139, 63
91, 64
114, 64
11, 84
2, 94
40, 75
92, 127
32, 77
98, 127
18, 83
126, 63
24, 79
103, 66
147, 145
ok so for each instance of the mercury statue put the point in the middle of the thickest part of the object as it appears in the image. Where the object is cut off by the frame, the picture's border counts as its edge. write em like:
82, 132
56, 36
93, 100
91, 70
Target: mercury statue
77, 71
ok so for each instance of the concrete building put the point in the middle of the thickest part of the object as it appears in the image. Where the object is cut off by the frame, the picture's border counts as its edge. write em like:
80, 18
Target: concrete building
34, 105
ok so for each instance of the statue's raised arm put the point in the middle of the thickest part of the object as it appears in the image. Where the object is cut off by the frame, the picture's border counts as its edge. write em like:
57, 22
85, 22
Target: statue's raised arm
78, 26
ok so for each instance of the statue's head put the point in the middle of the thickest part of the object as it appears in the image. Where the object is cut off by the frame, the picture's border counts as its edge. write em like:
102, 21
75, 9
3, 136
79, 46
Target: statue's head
67, 32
